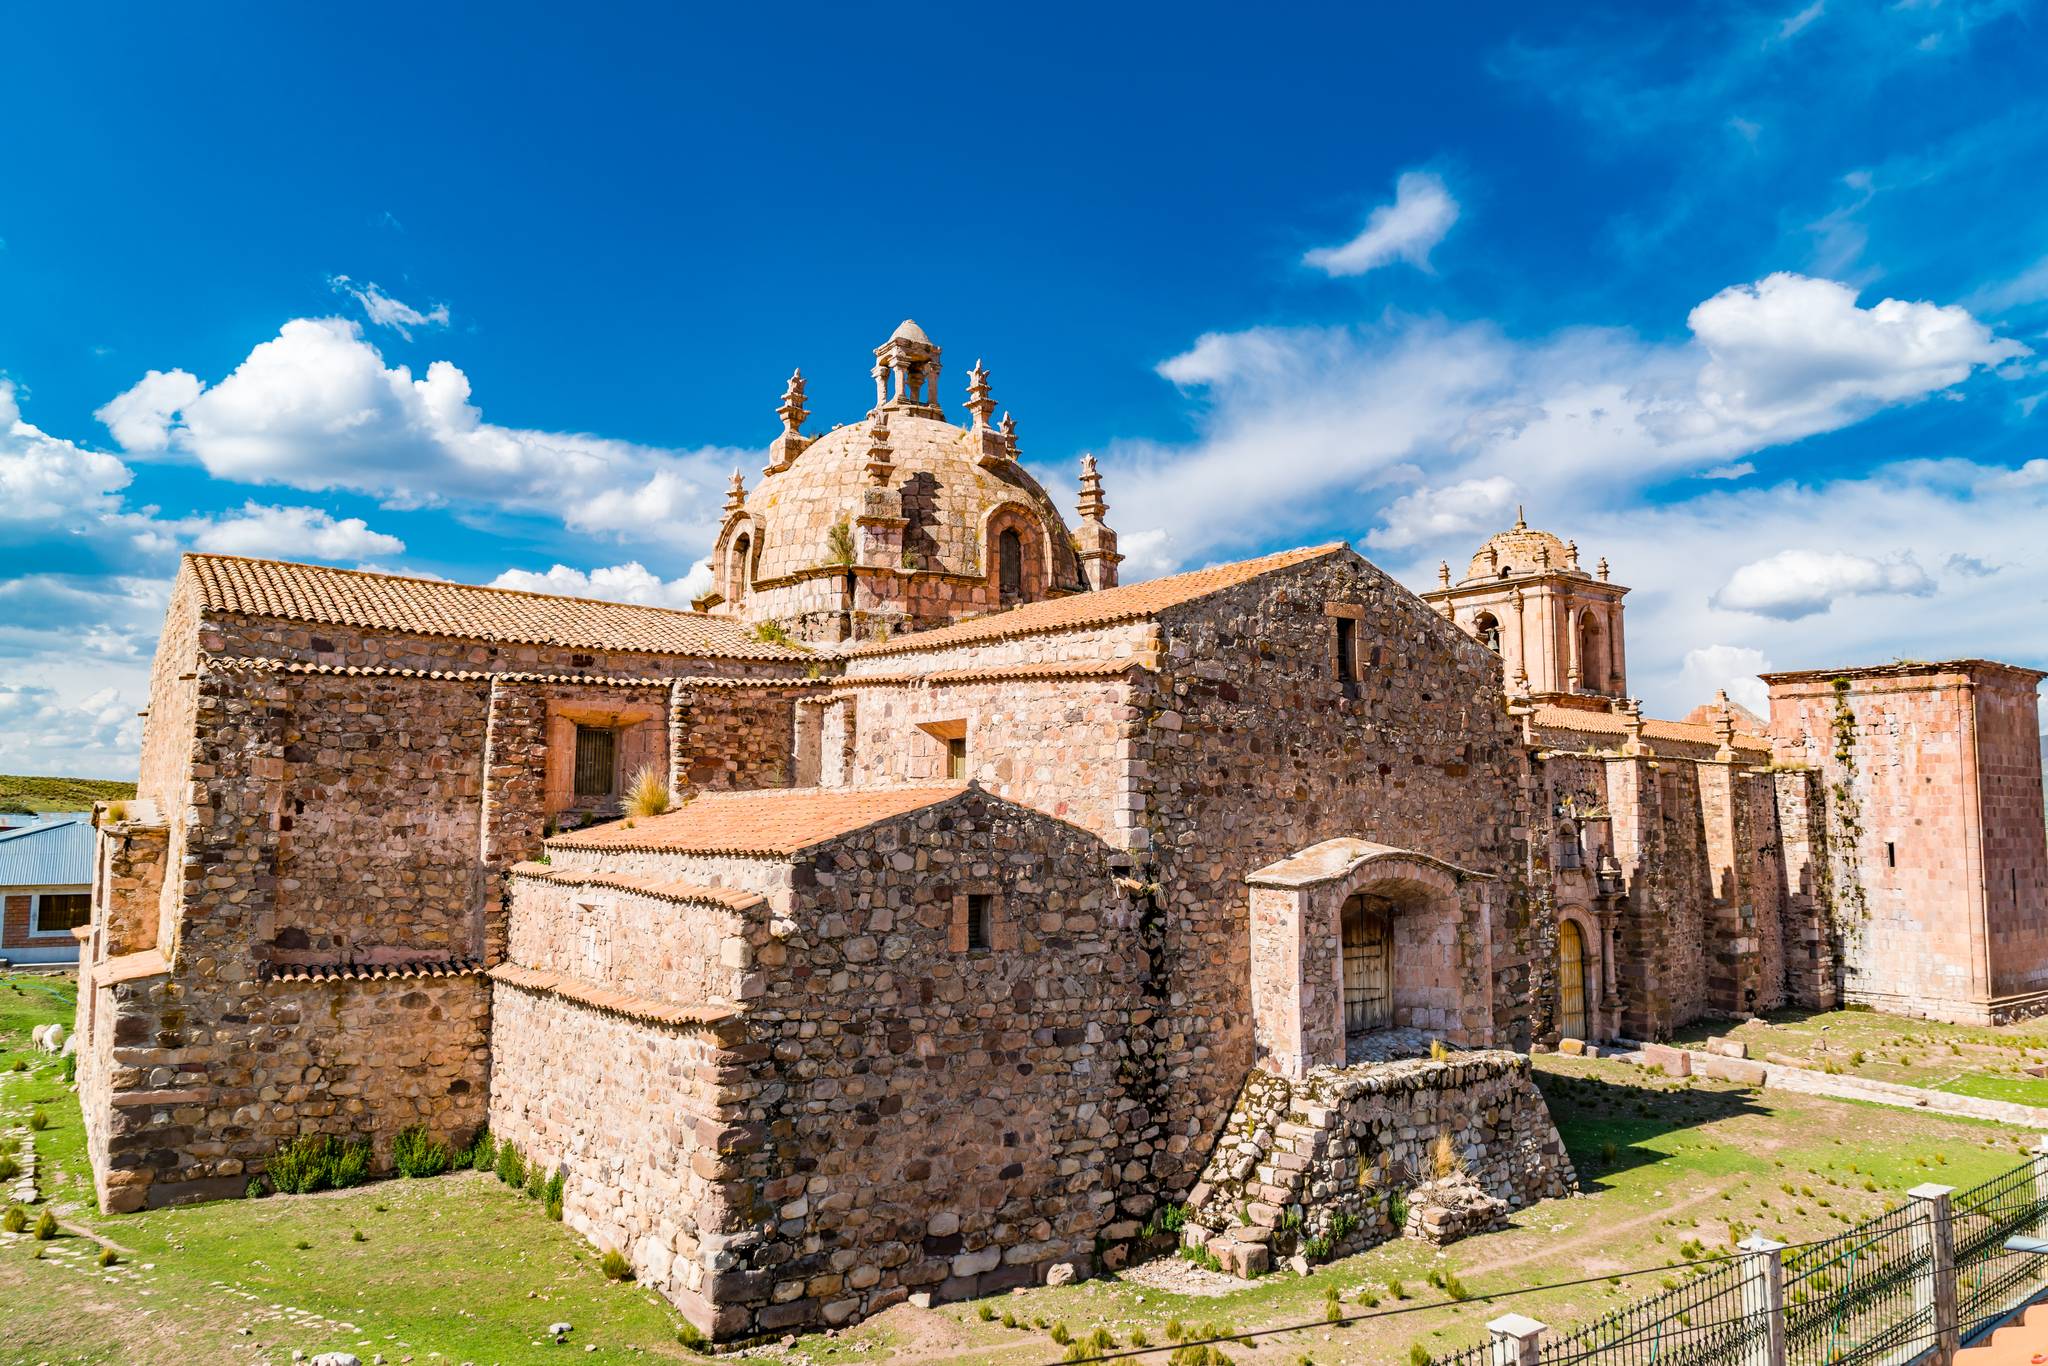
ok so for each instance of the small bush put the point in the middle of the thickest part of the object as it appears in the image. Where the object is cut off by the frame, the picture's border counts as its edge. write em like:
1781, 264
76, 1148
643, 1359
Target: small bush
38, 1120
255, 1190
1076, 1351
1333, 1308
1455, 1288
416, 1153
1418, 1355
70, 1069
483, 1152
985, 1311
318, 1162
615, 1266
1139, 1339
109, 1257
9, 1168
46, 1227
1062, 1334
691, 1336
536, 1181
15, 1220
1009, 1319
649, 794
1101, 1340
511, 1167
303, 1246
1175, 1330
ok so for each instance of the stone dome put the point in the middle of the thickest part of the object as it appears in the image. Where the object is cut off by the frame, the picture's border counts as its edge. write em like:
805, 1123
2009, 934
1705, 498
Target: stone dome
1520, 550
910, 332
948, 496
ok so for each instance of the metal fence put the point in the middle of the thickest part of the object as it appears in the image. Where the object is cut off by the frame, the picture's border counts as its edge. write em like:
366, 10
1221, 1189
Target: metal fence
1906, 1286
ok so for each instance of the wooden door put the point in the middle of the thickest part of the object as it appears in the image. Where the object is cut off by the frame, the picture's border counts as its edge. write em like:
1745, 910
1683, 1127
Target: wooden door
1571, 981
1368, 966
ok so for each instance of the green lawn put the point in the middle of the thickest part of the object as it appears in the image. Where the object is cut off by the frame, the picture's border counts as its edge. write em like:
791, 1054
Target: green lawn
459, 1268
19, 793
1968, 1060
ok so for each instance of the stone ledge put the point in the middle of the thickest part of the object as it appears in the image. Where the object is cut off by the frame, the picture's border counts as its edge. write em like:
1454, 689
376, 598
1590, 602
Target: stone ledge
685, 893
596, 997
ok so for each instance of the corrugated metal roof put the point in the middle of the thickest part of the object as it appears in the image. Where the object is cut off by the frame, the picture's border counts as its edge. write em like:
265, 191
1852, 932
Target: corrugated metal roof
55, 853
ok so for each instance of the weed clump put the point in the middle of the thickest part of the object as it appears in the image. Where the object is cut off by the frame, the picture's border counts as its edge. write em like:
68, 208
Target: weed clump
15, 1220
483, 1152
46, 1227
615, 1266
416, 1153
649, 794
38, 1119
318, 1162
511, 1167
109, 1257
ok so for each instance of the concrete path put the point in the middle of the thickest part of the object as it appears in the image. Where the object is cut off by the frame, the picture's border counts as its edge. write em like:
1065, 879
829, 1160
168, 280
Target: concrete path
1784, 1077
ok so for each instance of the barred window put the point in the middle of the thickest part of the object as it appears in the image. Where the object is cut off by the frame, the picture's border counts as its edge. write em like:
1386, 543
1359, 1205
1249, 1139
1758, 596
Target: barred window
597, 752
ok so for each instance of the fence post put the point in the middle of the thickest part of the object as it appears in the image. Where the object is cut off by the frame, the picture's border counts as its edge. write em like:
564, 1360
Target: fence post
2040, 1161
1763, 1292
1935, 1238
1517, 1340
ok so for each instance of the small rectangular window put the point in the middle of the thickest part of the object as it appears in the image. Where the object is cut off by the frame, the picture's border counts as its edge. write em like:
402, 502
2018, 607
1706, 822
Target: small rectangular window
956, 757
1891, 854
596, 757
61, 912
978, 905
1347, 650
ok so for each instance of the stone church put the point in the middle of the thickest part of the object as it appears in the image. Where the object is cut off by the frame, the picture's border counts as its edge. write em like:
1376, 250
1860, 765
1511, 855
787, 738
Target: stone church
1002, 905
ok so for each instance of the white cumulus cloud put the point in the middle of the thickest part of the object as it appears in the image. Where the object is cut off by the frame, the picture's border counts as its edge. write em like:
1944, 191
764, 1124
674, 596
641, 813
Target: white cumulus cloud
1799, 583
290, 532
1405, 230
629, 582
1730, 668
317, 408
48, 481
1464, 508
140, 418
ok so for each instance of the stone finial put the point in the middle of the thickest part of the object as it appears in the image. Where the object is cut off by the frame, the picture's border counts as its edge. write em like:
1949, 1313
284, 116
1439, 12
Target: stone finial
1521, 522
1724, 727
881, 455
1601, 569
1571, 554
1009, 435
1092, 504
978, 400
1094, 543
1443, 573
1632, 724
792, 410
735, 493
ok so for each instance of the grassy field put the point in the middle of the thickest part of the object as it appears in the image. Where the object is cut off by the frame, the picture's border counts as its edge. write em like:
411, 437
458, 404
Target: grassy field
461, 1269
1968, 1060
58, 794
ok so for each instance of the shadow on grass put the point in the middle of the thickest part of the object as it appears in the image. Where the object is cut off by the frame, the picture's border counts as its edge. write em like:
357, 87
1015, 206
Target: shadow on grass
1604, 1122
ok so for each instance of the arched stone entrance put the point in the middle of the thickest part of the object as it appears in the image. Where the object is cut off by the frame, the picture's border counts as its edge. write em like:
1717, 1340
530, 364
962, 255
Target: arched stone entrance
1349, 937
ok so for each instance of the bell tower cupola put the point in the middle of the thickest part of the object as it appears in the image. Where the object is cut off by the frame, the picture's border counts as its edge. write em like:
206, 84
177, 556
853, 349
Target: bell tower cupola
907, 372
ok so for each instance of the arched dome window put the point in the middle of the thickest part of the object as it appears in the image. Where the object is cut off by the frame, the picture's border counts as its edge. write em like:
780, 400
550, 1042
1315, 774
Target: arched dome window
1487, 627
742, 550
1009, 566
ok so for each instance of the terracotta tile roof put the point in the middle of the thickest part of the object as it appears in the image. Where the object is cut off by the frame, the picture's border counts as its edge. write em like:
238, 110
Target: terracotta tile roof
1131, 602
774, 823
1606, 724
368, 972
996, 673
732, 898
389, 602
605, 999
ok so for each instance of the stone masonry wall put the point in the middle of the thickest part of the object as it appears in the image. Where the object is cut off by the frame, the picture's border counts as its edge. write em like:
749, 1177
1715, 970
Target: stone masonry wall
1422, 757
903, 1113
1327, 1155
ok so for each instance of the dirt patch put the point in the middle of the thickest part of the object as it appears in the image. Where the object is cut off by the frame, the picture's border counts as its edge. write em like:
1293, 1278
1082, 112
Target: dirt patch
1182, 1277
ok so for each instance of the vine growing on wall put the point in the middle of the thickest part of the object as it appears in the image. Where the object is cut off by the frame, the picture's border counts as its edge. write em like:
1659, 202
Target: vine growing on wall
1848, 907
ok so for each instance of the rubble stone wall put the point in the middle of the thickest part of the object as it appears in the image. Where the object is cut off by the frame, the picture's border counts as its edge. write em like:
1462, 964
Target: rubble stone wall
1417, 752
678, 952
1327, 1156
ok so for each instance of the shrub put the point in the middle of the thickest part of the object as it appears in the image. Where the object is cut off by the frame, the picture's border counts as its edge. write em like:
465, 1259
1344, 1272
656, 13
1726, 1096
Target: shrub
985, 1311
1101, 1340
649, 794
839, 543
9, 1168
416, 1153
483, 1152
315, 1162
70, 1069
615, 1266
1418, 1355
15, 1220
511, 1167
536, 1181
255, 1190
1076, 1351
38, 1120
1139, 1339
1062, 1334
552, 1192
46, 1227
1397, 1210
1333, 1308
691, 1336
1009, 1319
1455, 1288
356, 1235
109, 1257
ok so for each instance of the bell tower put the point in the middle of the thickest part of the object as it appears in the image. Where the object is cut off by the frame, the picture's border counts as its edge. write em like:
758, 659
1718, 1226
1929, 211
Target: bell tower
911, 362
1556, 627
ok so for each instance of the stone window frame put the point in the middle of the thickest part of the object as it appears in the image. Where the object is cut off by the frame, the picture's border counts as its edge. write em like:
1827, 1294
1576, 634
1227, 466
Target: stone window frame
945, 733
1355, 614
1002, 923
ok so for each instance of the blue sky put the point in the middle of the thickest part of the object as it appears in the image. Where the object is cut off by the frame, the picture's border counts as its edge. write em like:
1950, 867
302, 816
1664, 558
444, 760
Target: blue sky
1752, 300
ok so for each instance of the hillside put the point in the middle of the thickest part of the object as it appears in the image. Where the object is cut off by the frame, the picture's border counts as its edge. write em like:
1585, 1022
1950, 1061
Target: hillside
58, 794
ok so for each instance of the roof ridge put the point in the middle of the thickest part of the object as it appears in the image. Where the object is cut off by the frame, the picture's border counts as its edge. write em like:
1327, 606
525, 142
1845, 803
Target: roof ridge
452, 583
